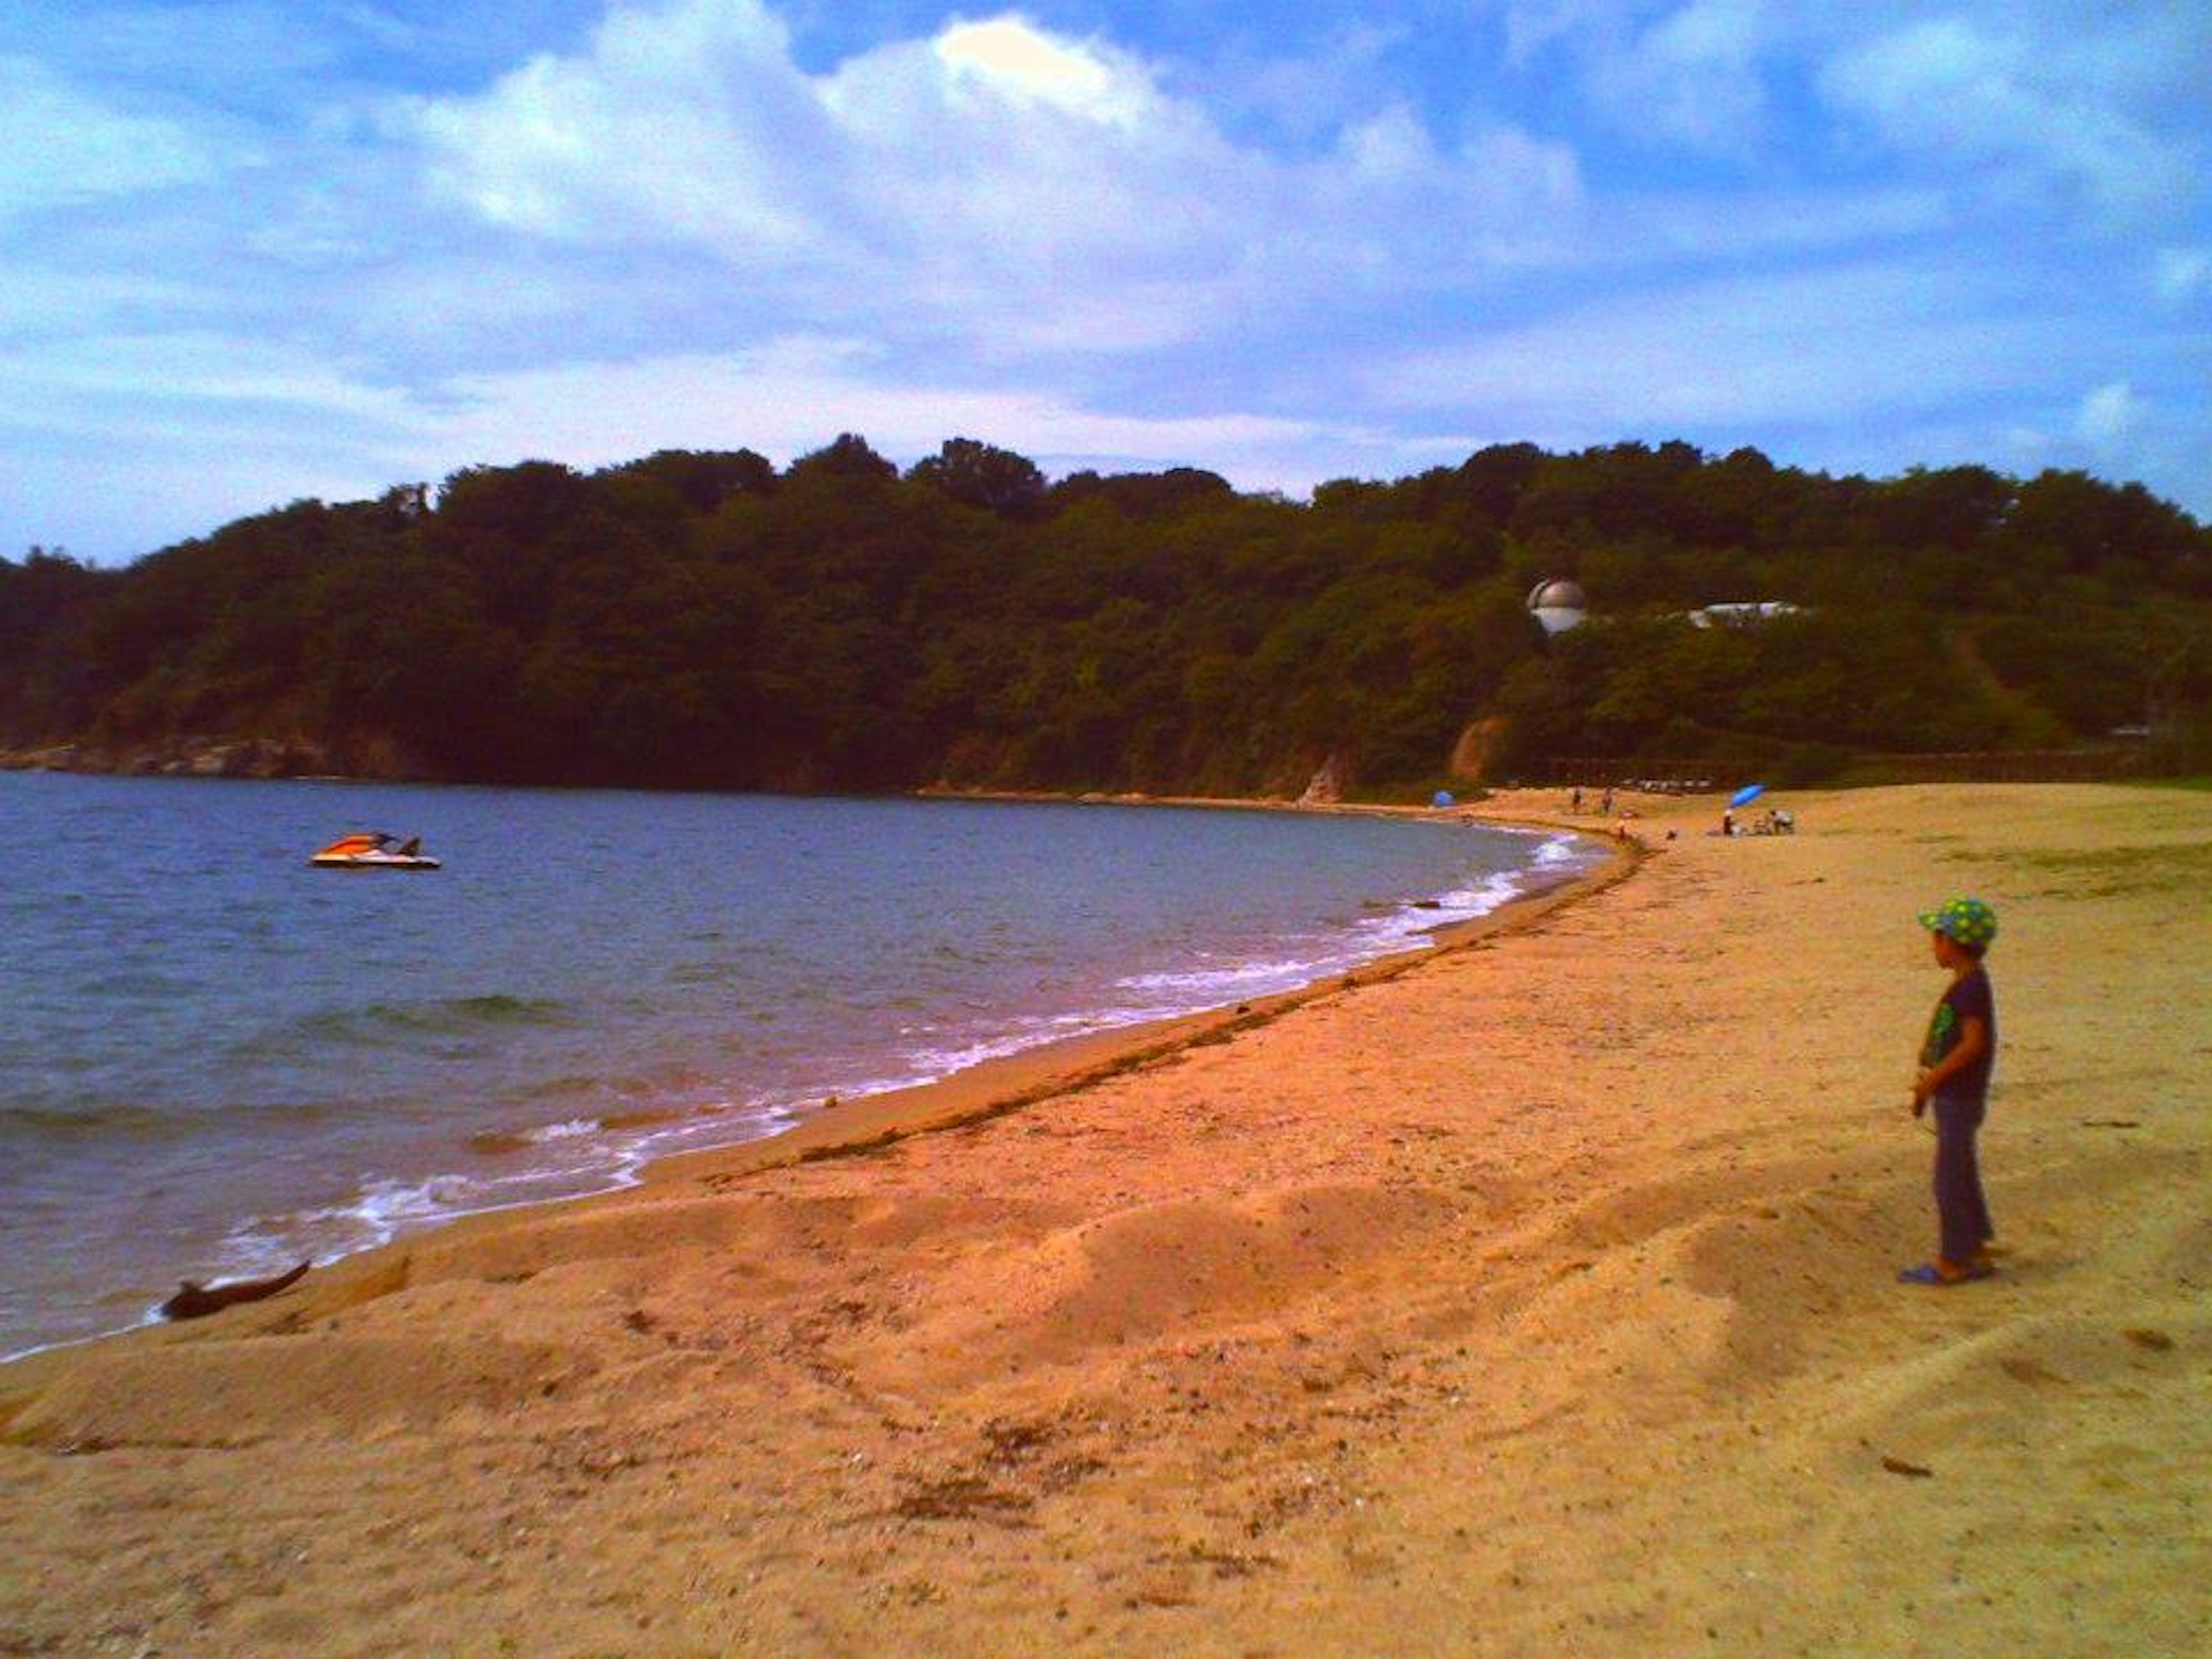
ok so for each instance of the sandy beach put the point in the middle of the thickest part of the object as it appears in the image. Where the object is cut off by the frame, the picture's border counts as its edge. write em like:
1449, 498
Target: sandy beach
1536, 1299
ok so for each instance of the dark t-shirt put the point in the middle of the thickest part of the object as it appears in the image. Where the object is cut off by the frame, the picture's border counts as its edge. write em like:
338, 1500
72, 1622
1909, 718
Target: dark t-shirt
1969, 998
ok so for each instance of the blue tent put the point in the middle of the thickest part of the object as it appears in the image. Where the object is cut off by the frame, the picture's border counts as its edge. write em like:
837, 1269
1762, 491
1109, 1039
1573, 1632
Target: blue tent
1442, 797
1745, 796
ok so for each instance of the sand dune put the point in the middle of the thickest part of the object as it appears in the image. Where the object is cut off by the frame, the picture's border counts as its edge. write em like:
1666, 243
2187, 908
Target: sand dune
1538, 1300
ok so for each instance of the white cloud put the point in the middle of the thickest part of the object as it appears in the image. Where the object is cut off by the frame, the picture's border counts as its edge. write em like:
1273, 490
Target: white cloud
1018, 62
1692, 73
1806, 349
994, 176
1723, 223
1392, 146
1314, 92
230, 425
2006, 98
1065, 243
794, 395
140, 439
1696, 76
158, 490
691, 120
203, 368
45, 303
1945, 90
2183, 273
1533, 26
2110, 416
60, 145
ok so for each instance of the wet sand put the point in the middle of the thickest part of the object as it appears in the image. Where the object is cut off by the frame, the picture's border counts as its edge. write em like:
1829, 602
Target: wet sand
1538, 1298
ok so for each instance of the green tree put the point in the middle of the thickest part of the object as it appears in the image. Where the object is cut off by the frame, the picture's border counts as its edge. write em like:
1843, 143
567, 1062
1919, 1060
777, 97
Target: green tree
977, 475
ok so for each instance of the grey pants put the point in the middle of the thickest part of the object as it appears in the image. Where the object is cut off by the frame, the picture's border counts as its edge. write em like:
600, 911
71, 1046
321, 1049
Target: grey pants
1960, 1208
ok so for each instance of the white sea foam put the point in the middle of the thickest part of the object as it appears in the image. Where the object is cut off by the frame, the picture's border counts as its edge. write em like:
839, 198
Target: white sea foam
385, 1210
383, 1206
934, 1064
1407, 927
1500, 889
1240, 976
1558, 850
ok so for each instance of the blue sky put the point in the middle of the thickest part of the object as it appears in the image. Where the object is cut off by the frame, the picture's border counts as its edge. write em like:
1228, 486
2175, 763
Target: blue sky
257, 249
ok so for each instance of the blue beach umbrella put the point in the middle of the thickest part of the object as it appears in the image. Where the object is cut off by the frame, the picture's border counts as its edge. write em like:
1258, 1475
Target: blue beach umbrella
1745, 796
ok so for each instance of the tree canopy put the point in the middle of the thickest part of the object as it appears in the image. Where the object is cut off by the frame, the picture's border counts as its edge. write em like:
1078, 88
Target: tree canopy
700, 619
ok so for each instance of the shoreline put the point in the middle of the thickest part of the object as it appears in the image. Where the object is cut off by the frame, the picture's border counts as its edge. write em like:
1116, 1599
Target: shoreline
1540, 1301
852, 1124
1009, 1082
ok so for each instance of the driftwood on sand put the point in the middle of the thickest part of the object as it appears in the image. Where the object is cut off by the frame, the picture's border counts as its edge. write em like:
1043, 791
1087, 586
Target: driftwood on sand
197, 1301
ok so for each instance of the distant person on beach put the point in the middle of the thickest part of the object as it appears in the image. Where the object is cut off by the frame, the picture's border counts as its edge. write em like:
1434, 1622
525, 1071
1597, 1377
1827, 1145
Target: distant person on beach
1955, 1062
1605, 806
1575, 800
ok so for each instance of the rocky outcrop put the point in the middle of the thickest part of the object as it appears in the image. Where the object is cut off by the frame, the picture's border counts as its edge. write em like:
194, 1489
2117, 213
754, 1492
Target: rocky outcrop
1329, 784
205, 756
1471, 755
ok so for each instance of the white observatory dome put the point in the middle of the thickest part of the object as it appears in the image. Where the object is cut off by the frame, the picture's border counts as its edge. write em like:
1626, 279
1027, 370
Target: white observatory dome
1559, 604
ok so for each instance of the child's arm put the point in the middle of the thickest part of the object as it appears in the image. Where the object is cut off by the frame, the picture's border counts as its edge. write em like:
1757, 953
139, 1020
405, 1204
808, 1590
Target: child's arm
1973, 1042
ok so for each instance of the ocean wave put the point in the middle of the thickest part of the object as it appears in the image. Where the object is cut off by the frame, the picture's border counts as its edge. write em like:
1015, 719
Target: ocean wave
140, 984
497, 1141
380, 1023
1557, 850
1412, 926
1500, 889
460, 1013
690, 974
957, 1055
570, 1083
384, 1208
594, 1155
1237, 977
136, 1123
1401, 926
151, 1123
371, 1217
731, 1124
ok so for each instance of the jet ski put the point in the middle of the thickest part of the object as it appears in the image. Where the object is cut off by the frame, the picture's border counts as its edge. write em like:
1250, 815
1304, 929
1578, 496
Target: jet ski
371, 850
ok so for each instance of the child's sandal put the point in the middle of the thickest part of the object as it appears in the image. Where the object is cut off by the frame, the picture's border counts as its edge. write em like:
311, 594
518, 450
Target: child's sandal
1928, 1274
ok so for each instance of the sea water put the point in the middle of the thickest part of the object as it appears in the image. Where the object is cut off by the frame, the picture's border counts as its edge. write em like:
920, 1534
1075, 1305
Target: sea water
217, 1061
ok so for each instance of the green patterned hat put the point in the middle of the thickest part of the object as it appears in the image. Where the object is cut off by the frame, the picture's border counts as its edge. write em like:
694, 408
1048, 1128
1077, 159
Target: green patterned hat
1968, 921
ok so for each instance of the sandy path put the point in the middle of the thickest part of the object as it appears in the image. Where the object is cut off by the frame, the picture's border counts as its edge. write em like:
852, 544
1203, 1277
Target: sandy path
1537, 1301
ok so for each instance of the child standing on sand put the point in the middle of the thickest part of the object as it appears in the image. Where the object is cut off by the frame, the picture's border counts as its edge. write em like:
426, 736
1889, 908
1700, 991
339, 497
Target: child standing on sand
1955, 1062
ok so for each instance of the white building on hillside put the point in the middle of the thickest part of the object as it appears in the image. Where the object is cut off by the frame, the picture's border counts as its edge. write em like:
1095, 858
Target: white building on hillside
1559, 604
1744, 613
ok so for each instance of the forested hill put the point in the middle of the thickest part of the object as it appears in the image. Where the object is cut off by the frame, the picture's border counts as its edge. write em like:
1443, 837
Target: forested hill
703, 619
